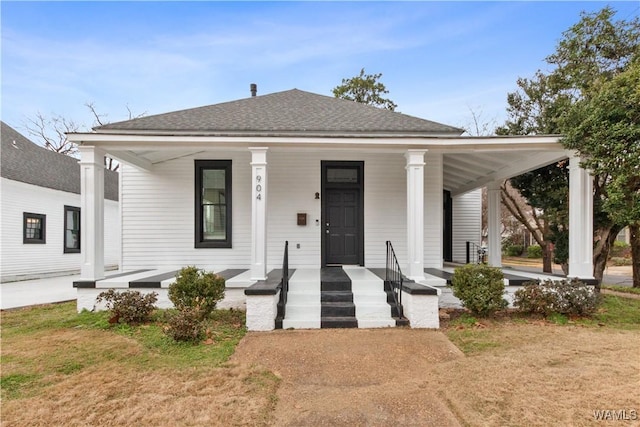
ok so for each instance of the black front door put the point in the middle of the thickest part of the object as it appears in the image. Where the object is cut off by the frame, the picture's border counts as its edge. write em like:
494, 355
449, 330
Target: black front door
342, 213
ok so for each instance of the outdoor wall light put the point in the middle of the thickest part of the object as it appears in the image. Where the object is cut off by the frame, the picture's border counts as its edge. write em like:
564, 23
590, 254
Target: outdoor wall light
317, 196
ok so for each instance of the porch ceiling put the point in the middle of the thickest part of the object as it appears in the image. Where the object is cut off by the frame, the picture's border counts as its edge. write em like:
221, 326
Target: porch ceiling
468, 162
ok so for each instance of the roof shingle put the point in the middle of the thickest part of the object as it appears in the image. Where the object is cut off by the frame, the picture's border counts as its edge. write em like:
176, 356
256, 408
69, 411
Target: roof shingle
22, 160
292, 111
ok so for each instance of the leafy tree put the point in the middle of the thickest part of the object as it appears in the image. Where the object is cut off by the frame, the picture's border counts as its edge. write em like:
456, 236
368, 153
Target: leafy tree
590, 53
604, 128
366, 89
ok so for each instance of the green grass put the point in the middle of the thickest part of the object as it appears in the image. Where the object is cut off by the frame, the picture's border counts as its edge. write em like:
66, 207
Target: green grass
616, 312
66, 350
624, 289
473, 336
469, 338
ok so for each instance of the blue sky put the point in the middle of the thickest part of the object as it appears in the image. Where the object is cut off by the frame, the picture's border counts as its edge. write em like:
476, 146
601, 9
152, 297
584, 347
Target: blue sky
438, 59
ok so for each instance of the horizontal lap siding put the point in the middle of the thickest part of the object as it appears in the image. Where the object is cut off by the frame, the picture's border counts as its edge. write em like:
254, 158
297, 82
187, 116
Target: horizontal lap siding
158, 211
467, 222
19, 260
158, 216
294, 178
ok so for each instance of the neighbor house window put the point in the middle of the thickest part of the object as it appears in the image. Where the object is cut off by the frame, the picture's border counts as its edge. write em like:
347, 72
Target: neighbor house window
213, 204
34, 228
71, 229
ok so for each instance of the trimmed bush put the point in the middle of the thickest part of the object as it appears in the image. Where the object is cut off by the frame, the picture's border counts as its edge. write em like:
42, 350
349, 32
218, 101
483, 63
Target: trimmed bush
557, 296
480, 288
186, 325
196, 289
534, 251
514, 250
129, 307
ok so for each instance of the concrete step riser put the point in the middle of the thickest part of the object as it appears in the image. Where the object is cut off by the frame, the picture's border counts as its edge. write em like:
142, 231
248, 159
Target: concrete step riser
336, 296
335, 286
338, 310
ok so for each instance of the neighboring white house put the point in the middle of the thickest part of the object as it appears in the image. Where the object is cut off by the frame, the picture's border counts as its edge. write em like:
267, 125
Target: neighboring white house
41, 211
224, 186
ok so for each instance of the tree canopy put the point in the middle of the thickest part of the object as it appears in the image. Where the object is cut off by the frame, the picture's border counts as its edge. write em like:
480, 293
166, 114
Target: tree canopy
366, 89
588, 95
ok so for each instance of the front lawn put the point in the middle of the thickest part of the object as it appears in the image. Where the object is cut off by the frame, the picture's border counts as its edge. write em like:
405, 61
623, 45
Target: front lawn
70, 367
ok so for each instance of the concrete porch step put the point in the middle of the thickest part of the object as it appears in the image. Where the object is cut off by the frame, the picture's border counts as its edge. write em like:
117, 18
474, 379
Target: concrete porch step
338, 322
336, 296
338, 309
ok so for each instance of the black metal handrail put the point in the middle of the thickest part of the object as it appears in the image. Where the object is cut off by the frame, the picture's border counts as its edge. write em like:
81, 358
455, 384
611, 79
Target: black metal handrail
284, 288
394, 277
475, 253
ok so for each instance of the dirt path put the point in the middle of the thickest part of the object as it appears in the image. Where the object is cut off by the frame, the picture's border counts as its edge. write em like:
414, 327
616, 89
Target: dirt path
353, 376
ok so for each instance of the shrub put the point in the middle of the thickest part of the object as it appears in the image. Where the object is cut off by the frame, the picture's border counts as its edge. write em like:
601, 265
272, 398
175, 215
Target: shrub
557, 296
534, 251
195, 288
186, 325
514, 250
129, 307
620, 249
480, 288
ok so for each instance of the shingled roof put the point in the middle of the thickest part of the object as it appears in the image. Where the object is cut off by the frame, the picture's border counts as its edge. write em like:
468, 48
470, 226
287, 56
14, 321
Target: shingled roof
22, 160
283, 113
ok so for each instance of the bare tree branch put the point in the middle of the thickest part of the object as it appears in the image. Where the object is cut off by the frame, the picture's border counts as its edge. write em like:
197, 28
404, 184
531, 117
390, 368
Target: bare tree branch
51, 133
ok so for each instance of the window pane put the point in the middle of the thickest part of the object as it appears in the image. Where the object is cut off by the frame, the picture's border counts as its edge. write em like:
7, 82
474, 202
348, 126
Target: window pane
72, 239
34, 228
214, 222
345, 175
213, 205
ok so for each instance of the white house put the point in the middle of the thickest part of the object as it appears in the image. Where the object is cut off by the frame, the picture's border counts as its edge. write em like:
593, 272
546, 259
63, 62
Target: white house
41, 211
225, 186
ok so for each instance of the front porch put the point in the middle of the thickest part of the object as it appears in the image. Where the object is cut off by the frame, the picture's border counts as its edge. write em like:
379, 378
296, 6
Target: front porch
328, 297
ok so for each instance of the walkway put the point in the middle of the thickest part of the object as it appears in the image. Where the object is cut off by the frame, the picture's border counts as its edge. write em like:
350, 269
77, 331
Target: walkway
39, 291
353, 377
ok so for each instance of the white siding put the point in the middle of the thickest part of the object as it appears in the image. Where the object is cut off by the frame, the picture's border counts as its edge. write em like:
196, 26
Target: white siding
158, 216
25, 261
158, 211
467, 222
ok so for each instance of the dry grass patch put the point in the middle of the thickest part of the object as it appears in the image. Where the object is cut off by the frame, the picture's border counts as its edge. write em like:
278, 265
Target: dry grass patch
71, 369
544, 375
538, 372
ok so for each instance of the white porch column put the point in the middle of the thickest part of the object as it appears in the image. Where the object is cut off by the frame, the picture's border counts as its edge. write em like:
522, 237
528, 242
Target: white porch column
494, 226
415, 214
91, 212
580, 221
258, 213
433, 210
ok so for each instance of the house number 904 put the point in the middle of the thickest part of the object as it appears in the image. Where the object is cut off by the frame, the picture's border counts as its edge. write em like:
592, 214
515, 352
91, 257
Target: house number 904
259, 187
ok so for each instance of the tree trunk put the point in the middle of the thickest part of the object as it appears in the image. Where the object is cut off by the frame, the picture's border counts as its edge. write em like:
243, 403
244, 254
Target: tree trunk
601, 251
635, 253
547, 258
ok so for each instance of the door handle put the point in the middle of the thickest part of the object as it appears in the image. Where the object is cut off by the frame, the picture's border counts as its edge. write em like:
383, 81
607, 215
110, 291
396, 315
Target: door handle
327, 224
326, 231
